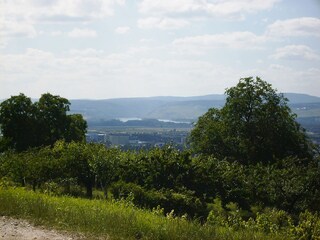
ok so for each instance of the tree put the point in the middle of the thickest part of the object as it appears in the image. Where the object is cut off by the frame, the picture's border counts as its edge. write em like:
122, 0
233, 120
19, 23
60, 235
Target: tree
52, 118
105, 164
78, 161
17, 120
75, 128
25, 124
255, 125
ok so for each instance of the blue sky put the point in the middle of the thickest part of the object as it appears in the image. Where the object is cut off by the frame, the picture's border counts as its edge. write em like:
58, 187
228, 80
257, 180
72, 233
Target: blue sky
119, 48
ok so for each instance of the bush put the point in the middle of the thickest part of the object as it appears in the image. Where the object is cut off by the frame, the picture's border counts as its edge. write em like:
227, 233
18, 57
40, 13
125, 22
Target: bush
230, 216
308, 226
269, 221
181, 203
62, 187
273, 221
184, 203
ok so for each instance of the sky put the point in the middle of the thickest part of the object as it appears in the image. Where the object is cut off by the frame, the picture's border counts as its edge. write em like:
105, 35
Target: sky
101, 49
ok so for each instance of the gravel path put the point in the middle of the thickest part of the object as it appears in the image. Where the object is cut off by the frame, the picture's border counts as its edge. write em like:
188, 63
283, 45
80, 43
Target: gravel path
17, 229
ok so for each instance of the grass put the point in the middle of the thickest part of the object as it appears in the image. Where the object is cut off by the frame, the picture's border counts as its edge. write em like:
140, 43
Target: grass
109, 219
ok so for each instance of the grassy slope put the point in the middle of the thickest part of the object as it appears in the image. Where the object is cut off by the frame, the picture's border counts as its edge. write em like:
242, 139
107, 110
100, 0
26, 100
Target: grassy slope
117, 220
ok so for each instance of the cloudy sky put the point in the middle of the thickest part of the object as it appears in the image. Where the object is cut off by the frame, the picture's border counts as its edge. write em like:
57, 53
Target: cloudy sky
127, 48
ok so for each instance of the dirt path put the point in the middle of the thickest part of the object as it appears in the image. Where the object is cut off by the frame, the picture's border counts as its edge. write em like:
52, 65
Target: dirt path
17, 229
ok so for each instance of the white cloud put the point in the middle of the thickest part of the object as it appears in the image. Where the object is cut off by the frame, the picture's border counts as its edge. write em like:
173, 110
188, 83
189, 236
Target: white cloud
15, 29
56, 33
19, 17
93, 73
296, 52
174, 14
238, 40
287, 79
88, 52
122, 30
146, 40
297, 27
167, 6
162, 23
238, 7
59, 10
39, 54
82, 33
225, 8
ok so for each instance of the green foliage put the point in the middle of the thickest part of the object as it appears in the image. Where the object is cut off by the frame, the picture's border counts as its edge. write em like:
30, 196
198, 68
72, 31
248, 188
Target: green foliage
158, 168
77, 159
165, 177
288, 185
273, 221
220, 178
75, 128
193, 185
26, 125
168, 200
52, 118
308, 226
17, 121
218, 214
270, 221
255, 125
105, 164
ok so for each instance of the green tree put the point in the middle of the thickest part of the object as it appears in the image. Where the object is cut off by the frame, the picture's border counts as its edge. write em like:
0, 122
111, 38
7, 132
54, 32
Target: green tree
17, 120
40, 166
255, 125
76, 128
52, 118
105, 164
25, 124
78, 161
157, 168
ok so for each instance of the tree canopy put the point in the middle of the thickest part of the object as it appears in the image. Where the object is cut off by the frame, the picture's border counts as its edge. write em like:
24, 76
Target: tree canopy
25, 124
254, 125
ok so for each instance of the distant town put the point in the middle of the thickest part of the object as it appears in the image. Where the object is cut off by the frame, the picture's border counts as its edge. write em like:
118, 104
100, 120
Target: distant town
139, 138
138, 134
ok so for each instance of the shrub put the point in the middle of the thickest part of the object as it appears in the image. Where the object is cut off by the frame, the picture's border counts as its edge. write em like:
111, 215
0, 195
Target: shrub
272, 221
308, 226
169, 200
231, 216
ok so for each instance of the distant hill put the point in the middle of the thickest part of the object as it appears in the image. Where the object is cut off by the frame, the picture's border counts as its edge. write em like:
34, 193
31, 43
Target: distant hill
301, 98
305, 106
175, 108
